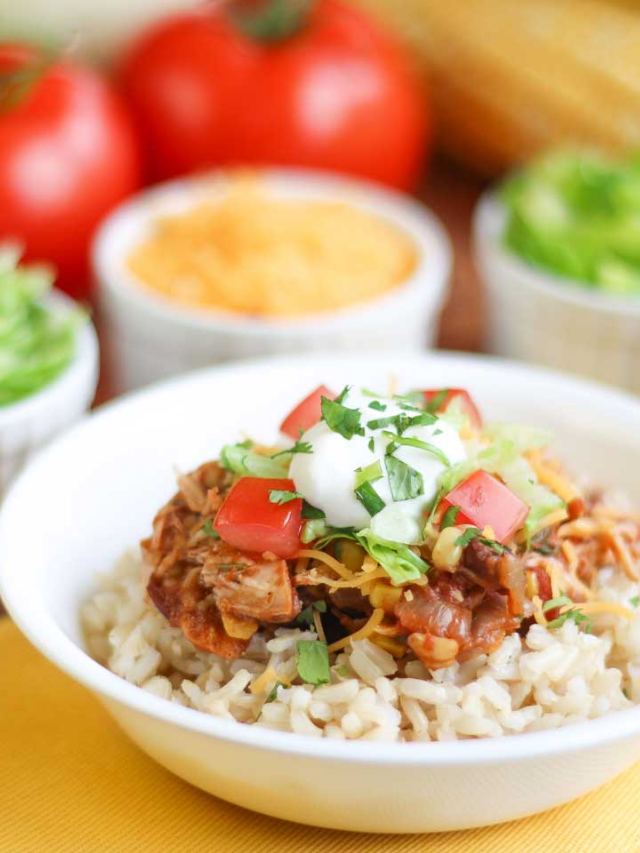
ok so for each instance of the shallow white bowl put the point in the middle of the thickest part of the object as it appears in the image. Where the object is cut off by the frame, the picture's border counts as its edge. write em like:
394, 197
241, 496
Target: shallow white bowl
540, 317
110, 474
29, 424
155, 337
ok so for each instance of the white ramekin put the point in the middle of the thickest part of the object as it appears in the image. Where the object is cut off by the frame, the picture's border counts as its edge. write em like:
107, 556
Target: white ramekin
155, 337
539, 317
28, 425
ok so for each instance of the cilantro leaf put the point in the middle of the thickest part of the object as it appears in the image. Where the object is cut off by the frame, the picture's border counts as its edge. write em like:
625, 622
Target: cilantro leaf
635, 601
404, 481
403, 421
449, 518
282, 496
371, 445
552, 603
311, 512
273, 693
313, 661
297, 447
475, 533
339, 418
421, 445
377, 405
207, 529
305, 617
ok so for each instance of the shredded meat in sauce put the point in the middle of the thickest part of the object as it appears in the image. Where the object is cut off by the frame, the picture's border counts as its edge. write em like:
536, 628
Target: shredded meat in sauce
219, 596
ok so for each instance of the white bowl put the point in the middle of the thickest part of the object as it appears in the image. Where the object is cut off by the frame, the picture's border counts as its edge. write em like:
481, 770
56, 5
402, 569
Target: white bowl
29, 424
111, 472
156, 337
536, 316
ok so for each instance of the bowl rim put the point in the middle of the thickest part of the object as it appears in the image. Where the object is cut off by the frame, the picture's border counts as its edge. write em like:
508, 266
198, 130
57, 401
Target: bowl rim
86, 357
429, 278
488, 222
50, 639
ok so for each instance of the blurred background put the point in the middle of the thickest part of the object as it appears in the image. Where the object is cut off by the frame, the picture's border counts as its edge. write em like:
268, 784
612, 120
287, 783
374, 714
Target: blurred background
231, 179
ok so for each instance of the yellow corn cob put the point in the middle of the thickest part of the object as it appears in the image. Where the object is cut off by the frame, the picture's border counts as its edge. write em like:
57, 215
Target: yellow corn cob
511, 77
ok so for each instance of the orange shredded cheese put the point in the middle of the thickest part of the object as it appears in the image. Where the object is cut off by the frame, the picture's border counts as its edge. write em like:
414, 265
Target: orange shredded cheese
538, 615
253, 252
362, 634
338, 567
571, 556
620, 549
317, 621
555, 517
553, 479
264, 681
589, 607
360, 580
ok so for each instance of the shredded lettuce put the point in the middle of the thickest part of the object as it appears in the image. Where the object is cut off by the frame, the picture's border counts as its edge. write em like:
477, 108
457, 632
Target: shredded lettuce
36, 343
578, 215
242, 460
503, 458
398, 560
523, 436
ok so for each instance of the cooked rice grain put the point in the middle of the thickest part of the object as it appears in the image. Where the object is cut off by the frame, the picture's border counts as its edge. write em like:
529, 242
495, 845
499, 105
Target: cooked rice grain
546, 680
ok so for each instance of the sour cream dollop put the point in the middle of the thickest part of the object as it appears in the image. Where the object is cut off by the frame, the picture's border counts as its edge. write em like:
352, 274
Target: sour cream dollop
326, 476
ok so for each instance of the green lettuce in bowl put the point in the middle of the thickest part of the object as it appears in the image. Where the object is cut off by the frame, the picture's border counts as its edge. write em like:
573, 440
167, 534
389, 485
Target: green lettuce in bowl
38, 341
577, 215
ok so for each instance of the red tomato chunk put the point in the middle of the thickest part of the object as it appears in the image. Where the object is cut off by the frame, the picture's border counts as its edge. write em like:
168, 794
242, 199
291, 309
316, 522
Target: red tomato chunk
307, 413
469, 408
249, 521
484, 500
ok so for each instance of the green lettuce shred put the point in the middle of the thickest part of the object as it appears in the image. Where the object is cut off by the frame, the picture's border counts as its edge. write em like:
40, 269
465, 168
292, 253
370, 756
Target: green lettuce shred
37, 343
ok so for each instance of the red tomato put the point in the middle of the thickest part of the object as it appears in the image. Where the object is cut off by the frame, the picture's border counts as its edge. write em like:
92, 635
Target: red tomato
249, 521
484, 500
307, 413
469, 408
337, 94
68, 153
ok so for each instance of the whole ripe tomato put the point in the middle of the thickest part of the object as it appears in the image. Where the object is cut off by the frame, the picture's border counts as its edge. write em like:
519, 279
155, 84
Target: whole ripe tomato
335, 94
68, 153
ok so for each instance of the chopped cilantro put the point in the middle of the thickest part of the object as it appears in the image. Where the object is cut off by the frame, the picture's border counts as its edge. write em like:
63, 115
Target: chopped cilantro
544, 548
405, 482
378, 406
421, 445
573, 614
411, 400
311, 512
449, 518
475, 533
273, 693
313, 661
402, 422
305, 617
282, 496
369, 498
339, 418
298, 447
207, 529
552, 603
371, 445
635, 600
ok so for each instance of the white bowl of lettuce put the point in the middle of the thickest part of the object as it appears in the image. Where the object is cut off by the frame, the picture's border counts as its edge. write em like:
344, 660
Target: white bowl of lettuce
48, 362
558, 247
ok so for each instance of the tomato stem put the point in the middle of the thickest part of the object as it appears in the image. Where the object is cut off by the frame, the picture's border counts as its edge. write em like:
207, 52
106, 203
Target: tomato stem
270, 20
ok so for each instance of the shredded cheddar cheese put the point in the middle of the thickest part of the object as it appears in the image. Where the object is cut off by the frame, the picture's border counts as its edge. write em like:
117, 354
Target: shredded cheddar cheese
322, 557
252, 252
548, 476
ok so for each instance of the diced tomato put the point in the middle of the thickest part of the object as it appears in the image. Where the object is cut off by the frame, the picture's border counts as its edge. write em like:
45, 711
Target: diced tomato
248, 520
448, 394
484, 500
307, 413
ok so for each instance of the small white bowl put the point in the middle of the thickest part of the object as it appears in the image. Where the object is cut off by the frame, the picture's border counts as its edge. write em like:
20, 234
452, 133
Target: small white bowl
155, 337
110, 474
536, 316
29, 424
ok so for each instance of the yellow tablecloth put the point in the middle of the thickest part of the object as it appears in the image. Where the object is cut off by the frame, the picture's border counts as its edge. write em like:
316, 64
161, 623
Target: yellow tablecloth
70, 782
